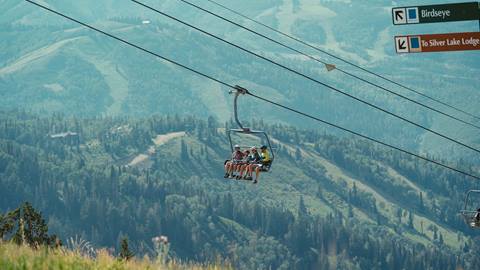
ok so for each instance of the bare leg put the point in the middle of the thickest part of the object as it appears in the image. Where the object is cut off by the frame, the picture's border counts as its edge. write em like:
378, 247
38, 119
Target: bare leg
239, 166
257, 172
242, 169
249, 170
231, 169
227, 167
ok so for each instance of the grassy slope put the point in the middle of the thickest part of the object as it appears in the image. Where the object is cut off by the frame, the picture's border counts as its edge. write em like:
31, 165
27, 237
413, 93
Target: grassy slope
15, 257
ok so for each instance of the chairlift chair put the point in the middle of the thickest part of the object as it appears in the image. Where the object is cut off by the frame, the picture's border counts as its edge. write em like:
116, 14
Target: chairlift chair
245, 130
471, 216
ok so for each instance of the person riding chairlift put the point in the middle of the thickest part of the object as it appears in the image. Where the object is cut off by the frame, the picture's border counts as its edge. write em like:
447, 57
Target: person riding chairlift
265, 157
264, 162
252, 159
476, 219
232, 165
241, 167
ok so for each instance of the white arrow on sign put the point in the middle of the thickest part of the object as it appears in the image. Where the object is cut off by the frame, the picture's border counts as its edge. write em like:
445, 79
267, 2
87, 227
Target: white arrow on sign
401, 44
399, 16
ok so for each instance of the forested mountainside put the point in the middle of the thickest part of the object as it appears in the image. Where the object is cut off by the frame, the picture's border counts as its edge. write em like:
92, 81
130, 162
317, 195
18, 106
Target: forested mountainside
329, 202
71, 70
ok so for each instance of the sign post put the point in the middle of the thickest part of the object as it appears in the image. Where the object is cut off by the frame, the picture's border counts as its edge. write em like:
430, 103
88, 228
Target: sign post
438, 42
469, 11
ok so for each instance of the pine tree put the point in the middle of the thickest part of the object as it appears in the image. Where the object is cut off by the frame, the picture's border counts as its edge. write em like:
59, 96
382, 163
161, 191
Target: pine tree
125, 253
183, 151
421, 201
399, 215
302, 209
29, 226
410, 220
350, 211
298, 154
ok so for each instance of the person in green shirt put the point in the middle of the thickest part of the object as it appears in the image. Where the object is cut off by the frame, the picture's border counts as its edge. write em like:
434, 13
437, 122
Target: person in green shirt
252, 161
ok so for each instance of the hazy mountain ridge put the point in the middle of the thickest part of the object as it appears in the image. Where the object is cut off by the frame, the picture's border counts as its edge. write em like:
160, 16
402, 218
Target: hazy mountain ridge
127, 82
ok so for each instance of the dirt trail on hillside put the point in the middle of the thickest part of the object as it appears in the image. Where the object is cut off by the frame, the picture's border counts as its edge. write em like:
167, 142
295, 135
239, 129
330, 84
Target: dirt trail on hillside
116, 81
143, 160
33, 56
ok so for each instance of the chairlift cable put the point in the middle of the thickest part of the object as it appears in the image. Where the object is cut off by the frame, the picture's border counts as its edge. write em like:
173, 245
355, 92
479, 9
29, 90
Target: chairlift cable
256, 96
325, 63
307, 77
361, 135
346, 61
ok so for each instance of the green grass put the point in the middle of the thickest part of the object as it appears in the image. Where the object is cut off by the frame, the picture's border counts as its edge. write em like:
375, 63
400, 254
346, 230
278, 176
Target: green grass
22, 257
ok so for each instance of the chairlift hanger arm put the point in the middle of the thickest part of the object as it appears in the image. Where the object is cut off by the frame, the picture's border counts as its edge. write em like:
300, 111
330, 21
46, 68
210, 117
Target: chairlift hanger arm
238, 90
467, 198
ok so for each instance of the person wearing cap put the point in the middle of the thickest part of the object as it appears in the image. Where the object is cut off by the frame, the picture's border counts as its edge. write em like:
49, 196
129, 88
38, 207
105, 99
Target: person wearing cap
265, 155
231, 165
242, 166
265, 162
252, 161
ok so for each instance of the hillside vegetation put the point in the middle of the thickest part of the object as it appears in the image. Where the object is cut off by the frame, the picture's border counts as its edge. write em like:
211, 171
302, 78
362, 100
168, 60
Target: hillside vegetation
328, 202
13, 257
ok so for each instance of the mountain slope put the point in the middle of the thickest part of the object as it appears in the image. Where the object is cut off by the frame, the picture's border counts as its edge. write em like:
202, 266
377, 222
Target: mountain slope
321, 188
105, 77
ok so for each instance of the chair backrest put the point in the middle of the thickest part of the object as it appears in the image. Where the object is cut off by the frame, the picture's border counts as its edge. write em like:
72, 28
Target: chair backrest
257, 133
